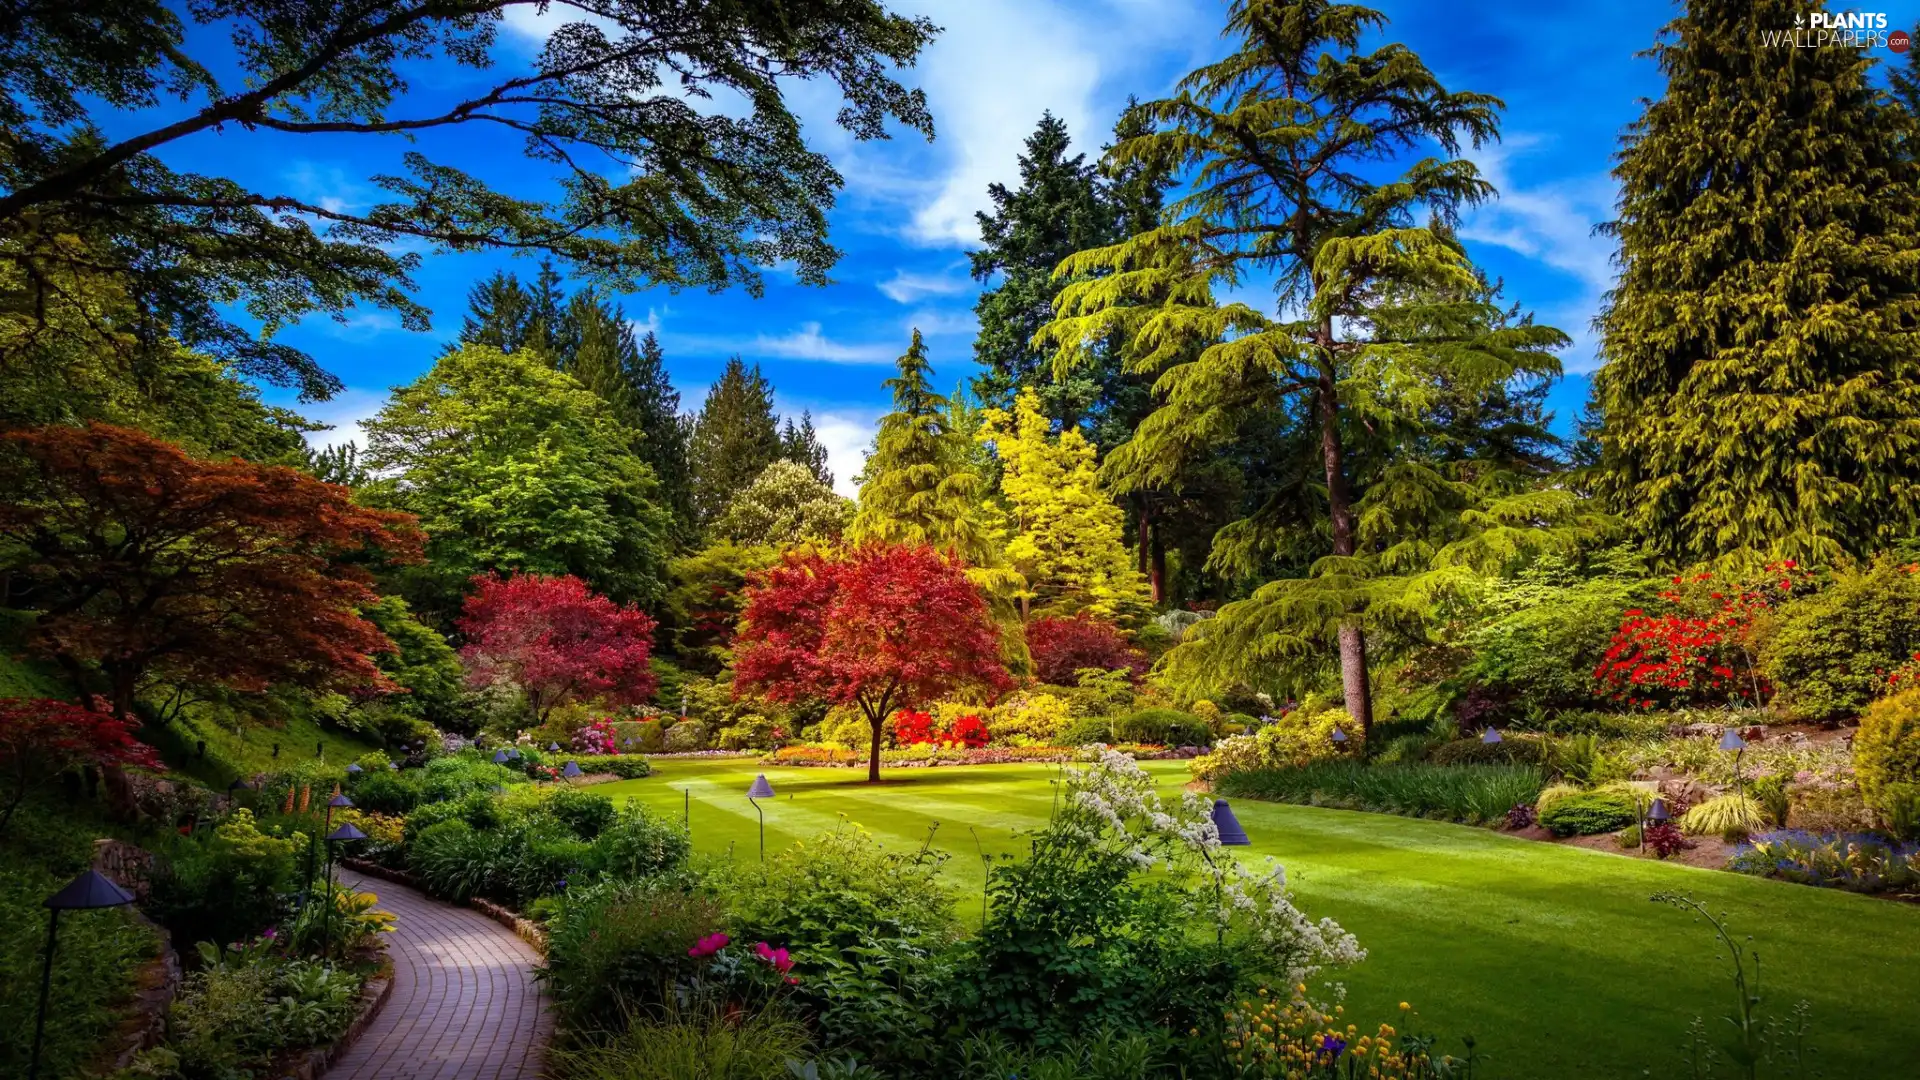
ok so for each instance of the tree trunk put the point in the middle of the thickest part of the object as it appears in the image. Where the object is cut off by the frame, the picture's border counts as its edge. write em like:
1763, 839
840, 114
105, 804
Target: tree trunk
1146, 542
1353, 641
873, 759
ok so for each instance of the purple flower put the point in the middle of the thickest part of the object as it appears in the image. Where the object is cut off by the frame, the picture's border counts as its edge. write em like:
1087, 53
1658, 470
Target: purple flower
1332, 1046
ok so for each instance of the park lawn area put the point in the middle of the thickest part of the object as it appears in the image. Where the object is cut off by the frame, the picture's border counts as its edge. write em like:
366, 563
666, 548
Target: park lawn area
1552, 958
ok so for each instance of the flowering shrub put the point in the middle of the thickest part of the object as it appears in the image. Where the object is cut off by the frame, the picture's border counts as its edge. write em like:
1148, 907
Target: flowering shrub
933, 754
598, 737
912, 728
1297, 738
1265, 1038
1701, 646
1030, 719
1853, 861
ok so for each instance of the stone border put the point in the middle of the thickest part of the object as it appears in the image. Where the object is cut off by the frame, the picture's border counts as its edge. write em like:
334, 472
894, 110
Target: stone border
373, 997
524, 928
158, 980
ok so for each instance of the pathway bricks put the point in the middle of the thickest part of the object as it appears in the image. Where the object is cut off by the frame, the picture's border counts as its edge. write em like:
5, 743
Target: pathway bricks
464, 1003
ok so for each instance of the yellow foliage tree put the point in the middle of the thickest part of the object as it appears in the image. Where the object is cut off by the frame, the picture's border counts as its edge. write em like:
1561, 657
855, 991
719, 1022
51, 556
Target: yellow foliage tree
1067, 532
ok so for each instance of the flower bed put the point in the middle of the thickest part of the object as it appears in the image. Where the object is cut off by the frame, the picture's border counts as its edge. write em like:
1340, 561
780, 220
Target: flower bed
1857, 862
929, 755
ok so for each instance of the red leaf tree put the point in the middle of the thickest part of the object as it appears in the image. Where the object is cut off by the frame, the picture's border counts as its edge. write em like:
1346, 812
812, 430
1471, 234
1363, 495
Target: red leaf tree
156, 568
557, 641
881, 627
40, 739
1062, 647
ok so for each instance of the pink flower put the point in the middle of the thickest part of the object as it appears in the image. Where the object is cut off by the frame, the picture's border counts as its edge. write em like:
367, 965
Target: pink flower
781, 962
708, 945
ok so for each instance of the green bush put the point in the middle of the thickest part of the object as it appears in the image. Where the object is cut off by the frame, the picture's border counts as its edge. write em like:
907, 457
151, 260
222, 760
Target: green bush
232, 1019
624, 766
225, 883
1827, 652
1588, 812
638, 844
1169, 727
1300, 737
1085, 730
584, 813
686, 735
649, 737
451, 860
1477, 795
1546, 627
709, 1044
92, 971
1408, 749
616, 949
1886, 750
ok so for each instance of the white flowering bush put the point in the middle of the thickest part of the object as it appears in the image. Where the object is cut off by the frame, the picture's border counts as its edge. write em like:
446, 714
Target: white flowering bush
1130, 911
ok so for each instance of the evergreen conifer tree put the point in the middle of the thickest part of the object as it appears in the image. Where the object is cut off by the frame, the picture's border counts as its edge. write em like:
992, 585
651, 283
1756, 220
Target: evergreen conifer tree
497, 313
801, 445
656, 408
735, 438
1354, 263
1760, 394
1056, 211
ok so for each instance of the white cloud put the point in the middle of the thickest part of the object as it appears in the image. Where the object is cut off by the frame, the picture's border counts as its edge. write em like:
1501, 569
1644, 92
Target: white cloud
362, 326
344, 413
905, 287
935, 323
1552, 224
806, 342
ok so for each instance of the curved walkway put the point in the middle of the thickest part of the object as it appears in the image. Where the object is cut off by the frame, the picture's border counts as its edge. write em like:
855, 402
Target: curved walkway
464, 1004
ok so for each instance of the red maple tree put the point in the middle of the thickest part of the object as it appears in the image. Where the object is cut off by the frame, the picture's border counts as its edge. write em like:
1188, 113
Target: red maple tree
1062, 647
557, 641
40, 739
157, 568
880, 627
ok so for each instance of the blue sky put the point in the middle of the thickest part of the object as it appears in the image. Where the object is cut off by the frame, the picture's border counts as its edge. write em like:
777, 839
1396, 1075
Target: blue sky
1570, 78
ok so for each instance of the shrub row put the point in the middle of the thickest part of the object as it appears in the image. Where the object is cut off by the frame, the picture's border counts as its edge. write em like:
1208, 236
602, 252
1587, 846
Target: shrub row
1474, 795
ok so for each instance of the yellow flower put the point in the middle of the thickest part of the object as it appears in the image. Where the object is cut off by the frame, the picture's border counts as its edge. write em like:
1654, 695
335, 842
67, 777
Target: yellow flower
1404, 1006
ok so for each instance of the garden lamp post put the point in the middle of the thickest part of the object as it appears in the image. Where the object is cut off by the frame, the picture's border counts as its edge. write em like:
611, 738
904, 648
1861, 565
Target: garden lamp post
572, 771
499, 757
1339, 739
341, 835
391, 767
1491, 737
761, 790
553, 748
84, 893
513, 753
1731, 740
1656, 815
1228, 826
337, 801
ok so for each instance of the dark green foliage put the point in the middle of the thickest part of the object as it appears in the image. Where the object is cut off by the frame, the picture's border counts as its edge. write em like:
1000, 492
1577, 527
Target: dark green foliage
1082, 730
1056, 211
801, 445
584, 813
235, 1019
625, 766
704, 598
1540, 632
423, 665
1471, 795
1169, 727
615, 949
227, 883
637, 844
1590, 812
1760, 386
735, 438
512, 863
703, 199
1511, 750
1827, 654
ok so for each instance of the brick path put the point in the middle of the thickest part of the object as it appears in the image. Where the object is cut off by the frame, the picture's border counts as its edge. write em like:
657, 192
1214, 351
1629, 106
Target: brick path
464, 1003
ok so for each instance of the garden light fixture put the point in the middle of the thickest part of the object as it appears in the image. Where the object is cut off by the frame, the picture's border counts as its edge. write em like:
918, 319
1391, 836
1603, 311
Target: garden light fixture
1658, 812
1339, 737
761, 790
1731, 740
572, 771
553, 748
339, 801
1491, 737
90, 891
353, 769
499, 757
391, 767
513, 753
341, 835
1228, 826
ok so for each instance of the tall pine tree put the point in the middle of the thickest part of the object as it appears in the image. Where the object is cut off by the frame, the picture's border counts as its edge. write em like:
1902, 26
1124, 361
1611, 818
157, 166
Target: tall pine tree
1761, 387
1056, 211
735, 438
1308, 201
800, 444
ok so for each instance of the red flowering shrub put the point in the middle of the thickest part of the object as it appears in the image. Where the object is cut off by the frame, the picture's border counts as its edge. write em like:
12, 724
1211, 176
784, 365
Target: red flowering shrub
1061, 647
968, 731
597, 737
913, 728
40, 739
1700, 646
557, 641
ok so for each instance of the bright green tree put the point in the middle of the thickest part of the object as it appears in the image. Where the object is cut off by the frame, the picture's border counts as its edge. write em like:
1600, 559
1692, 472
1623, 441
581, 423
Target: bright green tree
1067, 532
511, 465
1761, 387
735, 437
785, 505
1355, 260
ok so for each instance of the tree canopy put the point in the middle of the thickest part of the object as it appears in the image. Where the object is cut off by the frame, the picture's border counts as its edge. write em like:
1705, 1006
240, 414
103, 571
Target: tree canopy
735, 437
654, 188
556, 642
785, 506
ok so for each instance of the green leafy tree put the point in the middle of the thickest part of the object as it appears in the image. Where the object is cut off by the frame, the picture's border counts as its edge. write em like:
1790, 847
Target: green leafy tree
1372, 309
511, 465
707, 589
735, 438
784, 506
421, 664
1761, 390
652, 188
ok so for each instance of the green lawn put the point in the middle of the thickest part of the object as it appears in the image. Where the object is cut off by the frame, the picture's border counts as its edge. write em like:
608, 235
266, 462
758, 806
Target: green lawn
1551, 957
